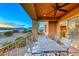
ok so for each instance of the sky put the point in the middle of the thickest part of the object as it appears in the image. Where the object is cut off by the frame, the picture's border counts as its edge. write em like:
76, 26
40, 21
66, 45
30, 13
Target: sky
14, 14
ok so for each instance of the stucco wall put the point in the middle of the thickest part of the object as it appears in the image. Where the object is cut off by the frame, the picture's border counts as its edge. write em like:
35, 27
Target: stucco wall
51, 28
46, 26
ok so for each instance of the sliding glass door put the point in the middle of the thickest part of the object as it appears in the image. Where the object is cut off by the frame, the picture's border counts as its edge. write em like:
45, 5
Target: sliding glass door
73, 31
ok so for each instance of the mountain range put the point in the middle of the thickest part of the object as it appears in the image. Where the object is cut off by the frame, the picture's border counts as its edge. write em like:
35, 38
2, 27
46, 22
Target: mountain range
7, 25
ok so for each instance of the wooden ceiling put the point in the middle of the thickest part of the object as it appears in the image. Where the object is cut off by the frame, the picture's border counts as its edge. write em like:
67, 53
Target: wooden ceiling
44, 8
40, 11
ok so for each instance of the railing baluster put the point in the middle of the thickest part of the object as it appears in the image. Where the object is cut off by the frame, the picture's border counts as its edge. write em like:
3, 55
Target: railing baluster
18, 44
2, 51
25, 47
12, 45
14, 49
8, 50
18, 47
22, 47
11, 49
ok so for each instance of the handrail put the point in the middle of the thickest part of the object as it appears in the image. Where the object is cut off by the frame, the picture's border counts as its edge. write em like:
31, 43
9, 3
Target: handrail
16, 46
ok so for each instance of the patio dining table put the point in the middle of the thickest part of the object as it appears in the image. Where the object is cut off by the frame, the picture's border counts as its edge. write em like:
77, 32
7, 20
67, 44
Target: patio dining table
45, 45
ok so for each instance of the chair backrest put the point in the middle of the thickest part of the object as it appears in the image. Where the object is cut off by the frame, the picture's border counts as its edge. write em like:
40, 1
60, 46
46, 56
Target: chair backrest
67, 43
57, 39
42, 38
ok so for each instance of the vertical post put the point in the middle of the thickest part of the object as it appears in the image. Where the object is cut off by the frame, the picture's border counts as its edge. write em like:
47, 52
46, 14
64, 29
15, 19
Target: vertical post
52, 29
35, 28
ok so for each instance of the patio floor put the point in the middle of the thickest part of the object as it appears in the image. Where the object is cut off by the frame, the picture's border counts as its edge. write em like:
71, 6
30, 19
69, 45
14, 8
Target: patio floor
74, 51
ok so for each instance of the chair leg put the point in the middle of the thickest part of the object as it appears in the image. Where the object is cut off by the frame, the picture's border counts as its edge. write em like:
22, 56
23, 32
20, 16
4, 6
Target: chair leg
46, 54
42, 54
55, 53
67, 51
59, 53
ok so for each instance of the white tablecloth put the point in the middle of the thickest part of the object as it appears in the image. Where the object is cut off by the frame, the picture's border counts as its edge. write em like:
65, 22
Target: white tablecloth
46, 44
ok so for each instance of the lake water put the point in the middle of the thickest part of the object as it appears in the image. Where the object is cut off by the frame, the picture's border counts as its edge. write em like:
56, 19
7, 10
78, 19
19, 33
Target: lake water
10, 29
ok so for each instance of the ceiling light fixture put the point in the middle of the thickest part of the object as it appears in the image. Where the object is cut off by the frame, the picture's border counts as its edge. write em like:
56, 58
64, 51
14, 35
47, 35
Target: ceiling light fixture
44, 15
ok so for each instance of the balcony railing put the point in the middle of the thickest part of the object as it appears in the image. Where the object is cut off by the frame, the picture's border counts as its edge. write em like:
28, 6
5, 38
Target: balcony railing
16, 48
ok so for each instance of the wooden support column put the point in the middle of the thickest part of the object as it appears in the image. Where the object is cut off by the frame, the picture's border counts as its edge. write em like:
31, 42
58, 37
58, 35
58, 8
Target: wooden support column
35, 28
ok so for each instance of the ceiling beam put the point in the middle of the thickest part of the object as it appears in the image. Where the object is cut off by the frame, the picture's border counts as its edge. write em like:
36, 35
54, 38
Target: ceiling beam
30, 9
